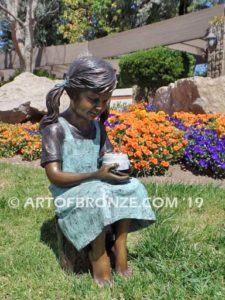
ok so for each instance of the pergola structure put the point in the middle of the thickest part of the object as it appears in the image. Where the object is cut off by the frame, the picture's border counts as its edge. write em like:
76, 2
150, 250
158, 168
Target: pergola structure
185, 33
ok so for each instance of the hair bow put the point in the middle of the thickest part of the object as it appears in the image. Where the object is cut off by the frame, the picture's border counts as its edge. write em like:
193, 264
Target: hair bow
65, 83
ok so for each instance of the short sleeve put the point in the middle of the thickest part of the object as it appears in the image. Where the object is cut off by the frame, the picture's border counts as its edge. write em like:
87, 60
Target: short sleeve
52, 140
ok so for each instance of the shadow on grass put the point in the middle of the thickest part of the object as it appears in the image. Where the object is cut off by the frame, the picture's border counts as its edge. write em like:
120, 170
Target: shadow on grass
70, 260
68, 257
49, 235
204, 172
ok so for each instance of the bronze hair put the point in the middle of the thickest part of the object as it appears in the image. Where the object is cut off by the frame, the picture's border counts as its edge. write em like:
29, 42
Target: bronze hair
85, 73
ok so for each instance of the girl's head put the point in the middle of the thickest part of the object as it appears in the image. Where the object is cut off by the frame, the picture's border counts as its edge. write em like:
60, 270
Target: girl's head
87, 74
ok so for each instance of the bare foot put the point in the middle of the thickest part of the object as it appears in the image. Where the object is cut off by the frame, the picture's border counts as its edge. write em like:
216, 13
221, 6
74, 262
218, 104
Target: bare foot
101, 269
121, 265
127, 273
102, 283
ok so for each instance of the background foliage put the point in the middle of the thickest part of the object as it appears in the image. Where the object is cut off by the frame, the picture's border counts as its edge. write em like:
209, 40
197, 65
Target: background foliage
85, 20
155, 68
90, 19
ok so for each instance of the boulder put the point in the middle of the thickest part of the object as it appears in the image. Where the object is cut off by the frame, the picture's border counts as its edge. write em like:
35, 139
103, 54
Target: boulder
24, 98
199, 95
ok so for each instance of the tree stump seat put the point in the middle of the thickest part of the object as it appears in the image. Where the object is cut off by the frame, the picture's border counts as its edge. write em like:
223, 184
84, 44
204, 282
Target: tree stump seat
74, 261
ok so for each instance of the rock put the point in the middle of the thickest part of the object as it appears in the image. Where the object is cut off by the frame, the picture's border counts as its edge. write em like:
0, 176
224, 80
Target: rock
23, 99
199, 95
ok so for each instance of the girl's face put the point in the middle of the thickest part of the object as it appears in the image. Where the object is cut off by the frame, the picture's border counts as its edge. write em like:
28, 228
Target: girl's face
90, 105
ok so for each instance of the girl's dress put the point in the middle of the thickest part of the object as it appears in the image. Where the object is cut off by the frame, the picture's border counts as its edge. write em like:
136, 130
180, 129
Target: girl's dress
86, 209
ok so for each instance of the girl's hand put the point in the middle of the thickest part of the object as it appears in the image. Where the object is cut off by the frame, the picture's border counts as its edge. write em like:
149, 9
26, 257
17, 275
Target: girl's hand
105, 173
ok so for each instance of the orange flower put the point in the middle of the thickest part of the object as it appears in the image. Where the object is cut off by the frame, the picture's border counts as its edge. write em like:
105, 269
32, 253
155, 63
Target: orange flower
163, 143
165, 152
137, 153
153, 146
164, 164
130, 153
178, 147
5, 134
154, 161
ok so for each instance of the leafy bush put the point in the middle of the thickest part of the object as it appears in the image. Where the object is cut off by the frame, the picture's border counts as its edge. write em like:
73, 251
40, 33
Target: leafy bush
155, 68
44, 73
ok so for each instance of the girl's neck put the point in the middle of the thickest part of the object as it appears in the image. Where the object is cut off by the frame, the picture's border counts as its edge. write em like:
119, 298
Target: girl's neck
75, 120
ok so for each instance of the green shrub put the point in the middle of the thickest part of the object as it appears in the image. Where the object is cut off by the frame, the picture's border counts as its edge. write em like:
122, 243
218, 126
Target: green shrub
155, 68
44, 73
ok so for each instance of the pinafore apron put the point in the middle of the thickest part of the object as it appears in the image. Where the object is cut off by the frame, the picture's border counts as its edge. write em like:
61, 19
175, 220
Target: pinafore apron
86, 209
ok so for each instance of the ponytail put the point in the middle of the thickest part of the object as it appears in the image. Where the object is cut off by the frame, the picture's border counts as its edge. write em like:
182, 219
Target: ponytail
52, 103
104, 115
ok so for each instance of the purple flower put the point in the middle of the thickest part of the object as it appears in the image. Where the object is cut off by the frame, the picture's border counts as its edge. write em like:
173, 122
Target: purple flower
32, 132
177, 123
205, 151
216, 157
198, 150
111, 115
150, 107
111, 125
203, 163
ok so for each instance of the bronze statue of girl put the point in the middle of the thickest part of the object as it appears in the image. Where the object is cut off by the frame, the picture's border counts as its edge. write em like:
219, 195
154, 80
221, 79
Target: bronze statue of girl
88, 198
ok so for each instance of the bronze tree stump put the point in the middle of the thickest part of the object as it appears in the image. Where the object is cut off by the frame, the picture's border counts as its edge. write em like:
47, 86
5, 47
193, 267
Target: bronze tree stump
74, 261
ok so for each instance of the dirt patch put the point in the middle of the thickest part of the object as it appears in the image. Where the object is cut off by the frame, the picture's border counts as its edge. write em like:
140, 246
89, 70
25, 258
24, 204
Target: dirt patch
175, 174
18, 160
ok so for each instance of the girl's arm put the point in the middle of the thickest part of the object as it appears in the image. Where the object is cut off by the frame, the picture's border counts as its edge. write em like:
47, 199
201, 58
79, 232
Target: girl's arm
68, 179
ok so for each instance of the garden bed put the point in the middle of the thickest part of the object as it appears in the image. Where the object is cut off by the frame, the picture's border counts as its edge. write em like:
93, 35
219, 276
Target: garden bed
154, 141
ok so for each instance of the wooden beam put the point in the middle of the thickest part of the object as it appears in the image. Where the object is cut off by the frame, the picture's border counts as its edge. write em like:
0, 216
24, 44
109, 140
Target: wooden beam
169, 32
59, 70
187, 48
62, 54
179, 29
199, 43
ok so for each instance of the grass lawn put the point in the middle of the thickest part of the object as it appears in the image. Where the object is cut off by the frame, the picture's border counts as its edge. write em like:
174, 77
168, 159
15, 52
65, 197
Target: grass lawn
181, 256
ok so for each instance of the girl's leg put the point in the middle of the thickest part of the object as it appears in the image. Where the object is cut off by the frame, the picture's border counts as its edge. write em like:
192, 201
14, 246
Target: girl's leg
120, 246
100, 261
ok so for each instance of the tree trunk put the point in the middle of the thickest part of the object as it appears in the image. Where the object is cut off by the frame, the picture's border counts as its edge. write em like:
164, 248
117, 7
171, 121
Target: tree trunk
22, 32
28, 38
183, 7
17, 38
29, 35
70, 259
73, 261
